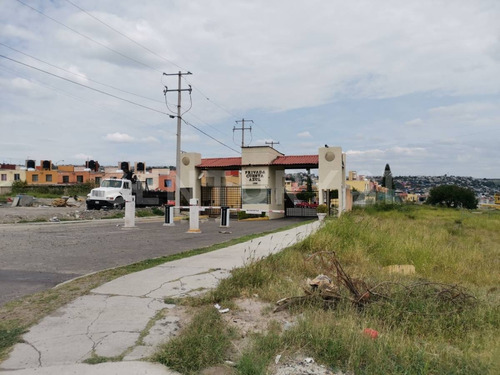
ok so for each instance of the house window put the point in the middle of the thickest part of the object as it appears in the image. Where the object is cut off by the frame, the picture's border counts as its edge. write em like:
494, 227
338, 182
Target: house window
48, 178
149, 182
167, 183
65, 179
98, 180
17, 176
79, 179
35, 178
4, 177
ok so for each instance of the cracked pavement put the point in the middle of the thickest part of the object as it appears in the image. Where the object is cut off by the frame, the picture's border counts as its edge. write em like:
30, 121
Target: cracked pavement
112, 320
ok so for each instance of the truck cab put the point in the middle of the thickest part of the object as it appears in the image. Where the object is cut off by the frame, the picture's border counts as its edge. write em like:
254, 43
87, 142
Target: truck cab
112, 193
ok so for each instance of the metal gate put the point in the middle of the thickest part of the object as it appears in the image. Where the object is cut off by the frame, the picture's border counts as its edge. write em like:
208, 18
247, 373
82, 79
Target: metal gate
296, 207
220, 196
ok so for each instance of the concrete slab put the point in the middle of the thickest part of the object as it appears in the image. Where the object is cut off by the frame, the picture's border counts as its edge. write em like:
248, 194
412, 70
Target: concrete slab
107, 324
115, 368
162, 331
114, 344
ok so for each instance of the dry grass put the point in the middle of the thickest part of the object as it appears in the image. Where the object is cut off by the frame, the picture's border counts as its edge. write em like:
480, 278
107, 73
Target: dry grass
419, 334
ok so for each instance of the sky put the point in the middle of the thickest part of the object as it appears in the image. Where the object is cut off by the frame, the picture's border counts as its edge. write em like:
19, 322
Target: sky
415, 84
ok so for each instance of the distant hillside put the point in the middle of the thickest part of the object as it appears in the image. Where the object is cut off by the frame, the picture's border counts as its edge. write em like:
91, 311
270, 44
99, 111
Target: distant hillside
422, 184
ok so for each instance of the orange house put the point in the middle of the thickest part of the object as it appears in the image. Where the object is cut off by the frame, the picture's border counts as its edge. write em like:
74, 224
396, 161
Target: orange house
69, 174
166, 182
42, 174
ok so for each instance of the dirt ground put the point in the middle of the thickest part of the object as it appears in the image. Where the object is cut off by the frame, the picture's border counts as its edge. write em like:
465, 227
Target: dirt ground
254, 316
43, 210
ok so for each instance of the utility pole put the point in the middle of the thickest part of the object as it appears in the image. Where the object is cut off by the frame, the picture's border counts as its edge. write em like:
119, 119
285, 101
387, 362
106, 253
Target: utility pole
272, 143
243, 130
179, 119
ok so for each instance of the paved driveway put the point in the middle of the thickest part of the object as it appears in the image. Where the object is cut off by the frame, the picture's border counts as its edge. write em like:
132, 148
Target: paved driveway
35, 257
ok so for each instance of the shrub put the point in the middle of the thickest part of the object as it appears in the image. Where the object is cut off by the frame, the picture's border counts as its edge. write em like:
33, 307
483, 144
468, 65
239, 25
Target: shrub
452, 196
322, 209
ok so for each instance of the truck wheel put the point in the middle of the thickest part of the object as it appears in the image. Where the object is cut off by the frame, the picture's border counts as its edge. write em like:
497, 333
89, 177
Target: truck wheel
119, 203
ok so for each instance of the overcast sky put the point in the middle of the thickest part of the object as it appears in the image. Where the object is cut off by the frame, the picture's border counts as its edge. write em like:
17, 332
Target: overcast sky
415, 84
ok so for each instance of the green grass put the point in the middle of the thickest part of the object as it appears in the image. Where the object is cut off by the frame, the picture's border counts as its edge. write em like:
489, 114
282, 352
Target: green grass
36, 220
148, 212
9, 337
255, 359
423, 330
203, 343
116, 215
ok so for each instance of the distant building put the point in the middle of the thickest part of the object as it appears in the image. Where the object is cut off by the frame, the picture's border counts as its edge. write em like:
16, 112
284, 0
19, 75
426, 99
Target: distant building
10, 173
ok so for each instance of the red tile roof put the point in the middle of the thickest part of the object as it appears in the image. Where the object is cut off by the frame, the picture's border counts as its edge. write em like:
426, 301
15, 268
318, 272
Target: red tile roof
296, 160
226, 163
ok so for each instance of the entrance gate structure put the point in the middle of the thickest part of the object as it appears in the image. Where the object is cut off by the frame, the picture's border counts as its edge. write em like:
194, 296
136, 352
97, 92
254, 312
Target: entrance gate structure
260, 178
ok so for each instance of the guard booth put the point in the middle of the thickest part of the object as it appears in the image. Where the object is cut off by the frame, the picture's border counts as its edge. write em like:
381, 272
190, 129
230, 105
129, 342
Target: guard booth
255, 182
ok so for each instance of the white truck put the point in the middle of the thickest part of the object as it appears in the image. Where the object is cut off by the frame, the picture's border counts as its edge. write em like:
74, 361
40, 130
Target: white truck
115, 191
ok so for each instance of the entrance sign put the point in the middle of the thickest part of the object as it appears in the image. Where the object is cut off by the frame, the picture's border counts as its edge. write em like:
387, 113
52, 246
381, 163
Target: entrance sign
255, 177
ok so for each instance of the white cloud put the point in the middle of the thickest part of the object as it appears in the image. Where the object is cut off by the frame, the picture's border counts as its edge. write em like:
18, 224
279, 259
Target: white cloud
304, 134
119, 138
365, 153
150, 140
415, 122
12, 31
386, 152
82, 156
411, 151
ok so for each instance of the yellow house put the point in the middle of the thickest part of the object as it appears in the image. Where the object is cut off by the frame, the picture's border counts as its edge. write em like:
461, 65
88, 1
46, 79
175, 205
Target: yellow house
361, 186
10, 173
411, 198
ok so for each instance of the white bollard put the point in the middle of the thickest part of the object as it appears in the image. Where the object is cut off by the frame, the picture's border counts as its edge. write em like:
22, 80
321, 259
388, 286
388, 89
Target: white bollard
130, 213
169, 216
224, 217
194, 216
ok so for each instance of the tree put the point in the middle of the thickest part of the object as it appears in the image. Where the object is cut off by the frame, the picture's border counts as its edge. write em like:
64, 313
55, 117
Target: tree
452, 196
387, 180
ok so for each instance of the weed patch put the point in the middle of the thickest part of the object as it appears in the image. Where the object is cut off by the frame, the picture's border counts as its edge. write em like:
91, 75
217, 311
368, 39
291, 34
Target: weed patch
9, 336
443, 319
203, 343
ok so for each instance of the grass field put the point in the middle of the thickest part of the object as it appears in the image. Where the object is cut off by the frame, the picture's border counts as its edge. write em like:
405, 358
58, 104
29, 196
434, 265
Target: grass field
444, 319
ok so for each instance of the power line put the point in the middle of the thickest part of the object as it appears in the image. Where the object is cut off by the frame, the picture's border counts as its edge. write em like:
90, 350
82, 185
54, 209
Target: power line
79, 75
206, 97
152, 52
72, 96
113, 96
89, 38
209, 136
124, 35
88, 87
206, 123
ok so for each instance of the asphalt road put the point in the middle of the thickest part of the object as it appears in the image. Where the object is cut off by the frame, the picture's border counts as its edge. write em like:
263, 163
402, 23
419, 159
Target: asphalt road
35, 257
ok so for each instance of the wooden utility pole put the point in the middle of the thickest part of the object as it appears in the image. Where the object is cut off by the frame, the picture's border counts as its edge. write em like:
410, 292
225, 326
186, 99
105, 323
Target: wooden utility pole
272, 143
243, 130
179, 119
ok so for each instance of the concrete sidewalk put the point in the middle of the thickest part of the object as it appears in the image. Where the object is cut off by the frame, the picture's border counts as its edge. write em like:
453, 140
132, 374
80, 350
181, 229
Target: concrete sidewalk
110, 321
